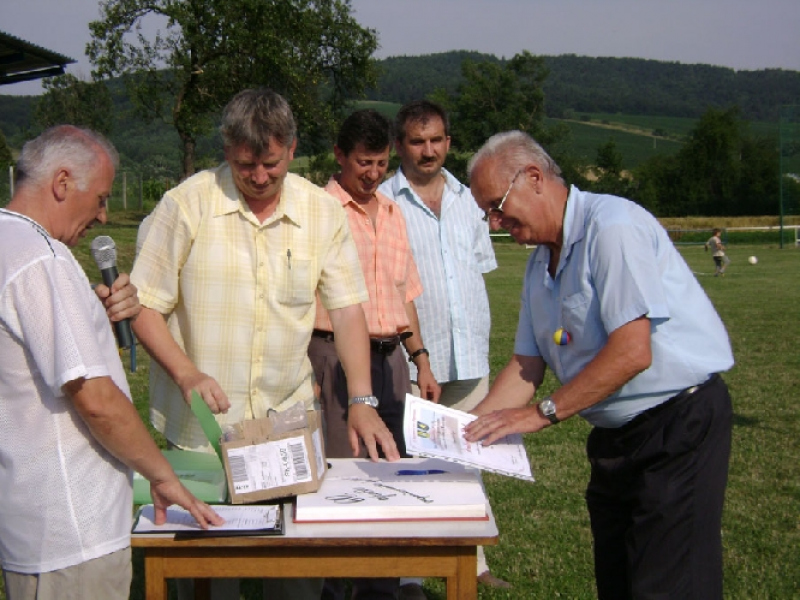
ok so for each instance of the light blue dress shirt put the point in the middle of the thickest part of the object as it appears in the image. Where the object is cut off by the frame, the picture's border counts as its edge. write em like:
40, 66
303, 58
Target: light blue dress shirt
452, 253
617, 263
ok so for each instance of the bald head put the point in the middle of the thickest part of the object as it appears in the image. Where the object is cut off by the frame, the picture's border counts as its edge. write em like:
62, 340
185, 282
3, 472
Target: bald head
520, 189
511, 151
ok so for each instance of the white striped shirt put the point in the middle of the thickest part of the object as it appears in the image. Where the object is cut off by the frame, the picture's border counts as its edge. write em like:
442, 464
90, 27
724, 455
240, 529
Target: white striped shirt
452, 253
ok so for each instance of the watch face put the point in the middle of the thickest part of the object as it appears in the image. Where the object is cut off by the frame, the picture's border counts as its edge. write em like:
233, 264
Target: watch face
548, 409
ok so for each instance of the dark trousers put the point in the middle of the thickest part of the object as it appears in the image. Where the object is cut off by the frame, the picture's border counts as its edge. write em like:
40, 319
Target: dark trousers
655, 499
390, 384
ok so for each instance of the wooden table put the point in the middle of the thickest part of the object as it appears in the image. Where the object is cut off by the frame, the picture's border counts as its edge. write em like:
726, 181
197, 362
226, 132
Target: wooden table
401, 549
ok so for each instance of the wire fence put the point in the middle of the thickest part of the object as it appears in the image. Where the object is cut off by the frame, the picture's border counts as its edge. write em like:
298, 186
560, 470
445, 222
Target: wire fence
131, 191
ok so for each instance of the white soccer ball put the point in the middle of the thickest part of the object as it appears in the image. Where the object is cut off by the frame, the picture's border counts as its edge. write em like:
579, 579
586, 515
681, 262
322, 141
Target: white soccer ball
752, 260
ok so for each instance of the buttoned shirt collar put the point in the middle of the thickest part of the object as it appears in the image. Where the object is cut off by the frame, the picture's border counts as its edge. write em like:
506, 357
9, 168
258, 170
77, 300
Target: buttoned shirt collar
232, 200
400, 185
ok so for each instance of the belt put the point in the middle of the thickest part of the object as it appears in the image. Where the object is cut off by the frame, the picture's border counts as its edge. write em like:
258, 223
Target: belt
381, 345
682, 395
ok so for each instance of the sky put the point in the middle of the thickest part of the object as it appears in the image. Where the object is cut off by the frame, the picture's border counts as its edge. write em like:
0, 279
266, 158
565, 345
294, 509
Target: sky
740, 34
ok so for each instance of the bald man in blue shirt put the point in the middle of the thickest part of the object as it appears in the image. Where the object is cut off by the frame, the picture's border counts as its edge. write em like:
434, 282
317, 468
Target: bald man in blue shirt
612, 308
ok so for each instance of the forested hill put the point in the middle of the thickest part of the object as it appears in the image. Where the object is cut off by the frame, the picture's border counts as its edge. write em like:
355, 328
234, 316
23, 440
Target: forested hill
575, 84
610, 85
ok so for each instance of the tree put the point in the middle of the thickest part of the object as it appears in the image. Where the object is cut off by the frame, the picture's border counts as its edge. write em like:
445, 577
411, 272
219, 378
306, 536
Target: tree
609, 168
498, 97
6, 158
710, 162
311, 51
721, 170
70, 100
609, 159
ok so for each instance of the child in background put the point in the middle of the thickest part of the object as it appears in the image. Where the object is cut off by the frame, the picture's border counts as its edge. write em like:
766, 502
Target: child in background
717, 252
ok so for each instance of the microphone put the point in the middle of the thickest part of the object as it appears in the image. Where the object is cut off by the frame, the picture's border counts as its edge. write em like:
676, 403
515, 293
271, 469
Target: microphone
104, 252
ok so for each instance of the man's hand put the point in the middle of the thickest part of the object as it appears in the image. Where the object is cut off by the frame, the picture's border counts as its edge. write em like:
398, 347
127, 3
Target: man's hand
121, 301
209, 390
429, 389
499, 423
112, 420
172, 491
363, 422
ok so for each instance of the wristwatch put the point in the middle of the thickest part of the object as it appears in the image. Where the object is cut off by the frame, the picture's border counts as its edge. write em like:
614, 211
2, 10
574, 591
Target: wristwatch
548, 410
370, 400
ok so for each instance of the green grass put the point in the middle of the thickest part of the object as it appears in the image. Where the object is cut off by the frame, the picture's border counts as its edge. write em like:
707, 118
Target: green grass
545, 543
675, 127
635, 147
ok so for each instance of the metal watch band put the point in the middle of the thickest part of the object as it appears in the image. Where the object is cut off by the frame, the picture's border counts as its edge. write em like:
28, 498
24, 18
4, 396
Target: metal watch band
370, 400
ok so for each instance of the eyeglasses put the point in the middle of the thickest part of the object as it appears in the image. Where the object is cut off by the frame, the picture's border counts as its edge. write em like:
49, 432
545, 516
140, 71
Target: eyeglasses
498, 210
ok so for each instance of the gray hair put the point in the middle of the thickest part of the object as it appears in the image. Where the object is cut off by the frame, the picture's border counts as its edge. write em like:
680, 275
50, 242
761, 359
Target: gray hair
64, 146
253, 117
514, 150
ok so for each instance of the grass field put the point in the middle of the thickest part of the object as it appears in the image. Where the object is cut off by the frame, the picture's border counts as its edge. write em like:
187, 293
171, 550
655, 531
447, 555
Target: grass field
545, 543
634, 145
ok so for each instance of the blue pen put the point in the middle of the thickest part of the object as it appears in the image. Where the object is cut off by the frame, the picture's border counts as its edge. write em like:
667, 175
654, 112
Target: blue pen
420, 472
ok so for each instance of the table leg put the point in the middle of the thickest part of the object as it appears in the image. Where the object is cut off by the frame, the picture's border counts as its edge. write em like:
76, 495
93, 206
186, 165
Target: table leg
202, 589
464, 583
155, 584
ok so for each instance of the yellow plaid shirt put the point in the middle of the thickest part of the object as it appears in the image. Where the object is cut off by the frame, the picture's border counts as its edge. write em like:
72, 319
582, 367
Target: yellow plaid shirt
389, 268
239, 295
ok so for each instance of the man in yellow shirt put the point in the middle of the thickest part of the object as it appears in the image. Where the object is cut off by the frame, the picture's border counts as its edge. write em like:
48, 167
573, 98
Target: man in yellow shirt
229, 267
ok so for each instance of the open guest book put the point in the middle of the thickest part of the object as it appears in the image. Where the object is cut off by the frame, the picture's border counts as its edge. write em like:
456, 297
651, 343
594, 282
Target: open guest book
252, 519
410, 489
433, 430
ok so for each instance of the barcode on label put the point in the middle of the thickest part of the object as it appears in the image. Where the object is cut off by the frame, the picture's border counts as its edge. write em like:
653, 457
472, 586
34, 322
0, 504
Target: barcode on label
238, 468
299, 460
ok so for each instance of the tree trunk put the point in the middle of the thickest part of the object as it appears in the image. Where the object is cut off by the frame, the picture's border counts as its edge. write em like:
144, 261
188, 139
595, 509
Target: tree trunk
189, 147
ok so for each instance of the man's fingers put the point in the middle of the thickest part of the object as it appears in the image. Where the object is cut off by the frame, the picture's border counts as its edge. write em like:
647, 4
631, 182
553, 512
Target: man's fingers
372, 450
388, 445
205, 515
355, 442
480, 428
160, 514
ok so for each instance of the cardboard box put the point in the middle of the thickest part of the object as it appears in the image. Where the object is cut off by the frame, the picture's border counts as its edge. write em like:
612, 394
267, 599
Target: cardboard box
269, 460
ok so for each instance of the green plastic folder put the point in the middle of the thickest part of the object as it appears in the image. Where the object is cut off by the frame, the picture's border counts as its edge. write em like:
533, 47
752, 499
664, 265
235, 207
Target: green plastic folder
202, 473
207, 421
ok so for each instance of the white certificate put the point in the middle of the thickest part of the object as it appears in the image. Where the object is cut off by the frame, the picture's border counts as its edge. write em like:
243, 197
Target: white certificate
437, 431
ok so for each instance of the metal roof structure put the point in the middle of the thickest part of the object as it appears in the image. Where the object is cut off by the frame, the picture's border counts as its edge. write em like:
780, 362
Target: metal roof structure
23, 61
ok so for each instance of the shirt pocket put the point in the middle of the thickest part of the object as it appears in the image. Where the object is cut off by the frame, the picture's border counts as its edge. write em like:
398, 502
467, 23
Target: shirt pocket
580, 316
294, 284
